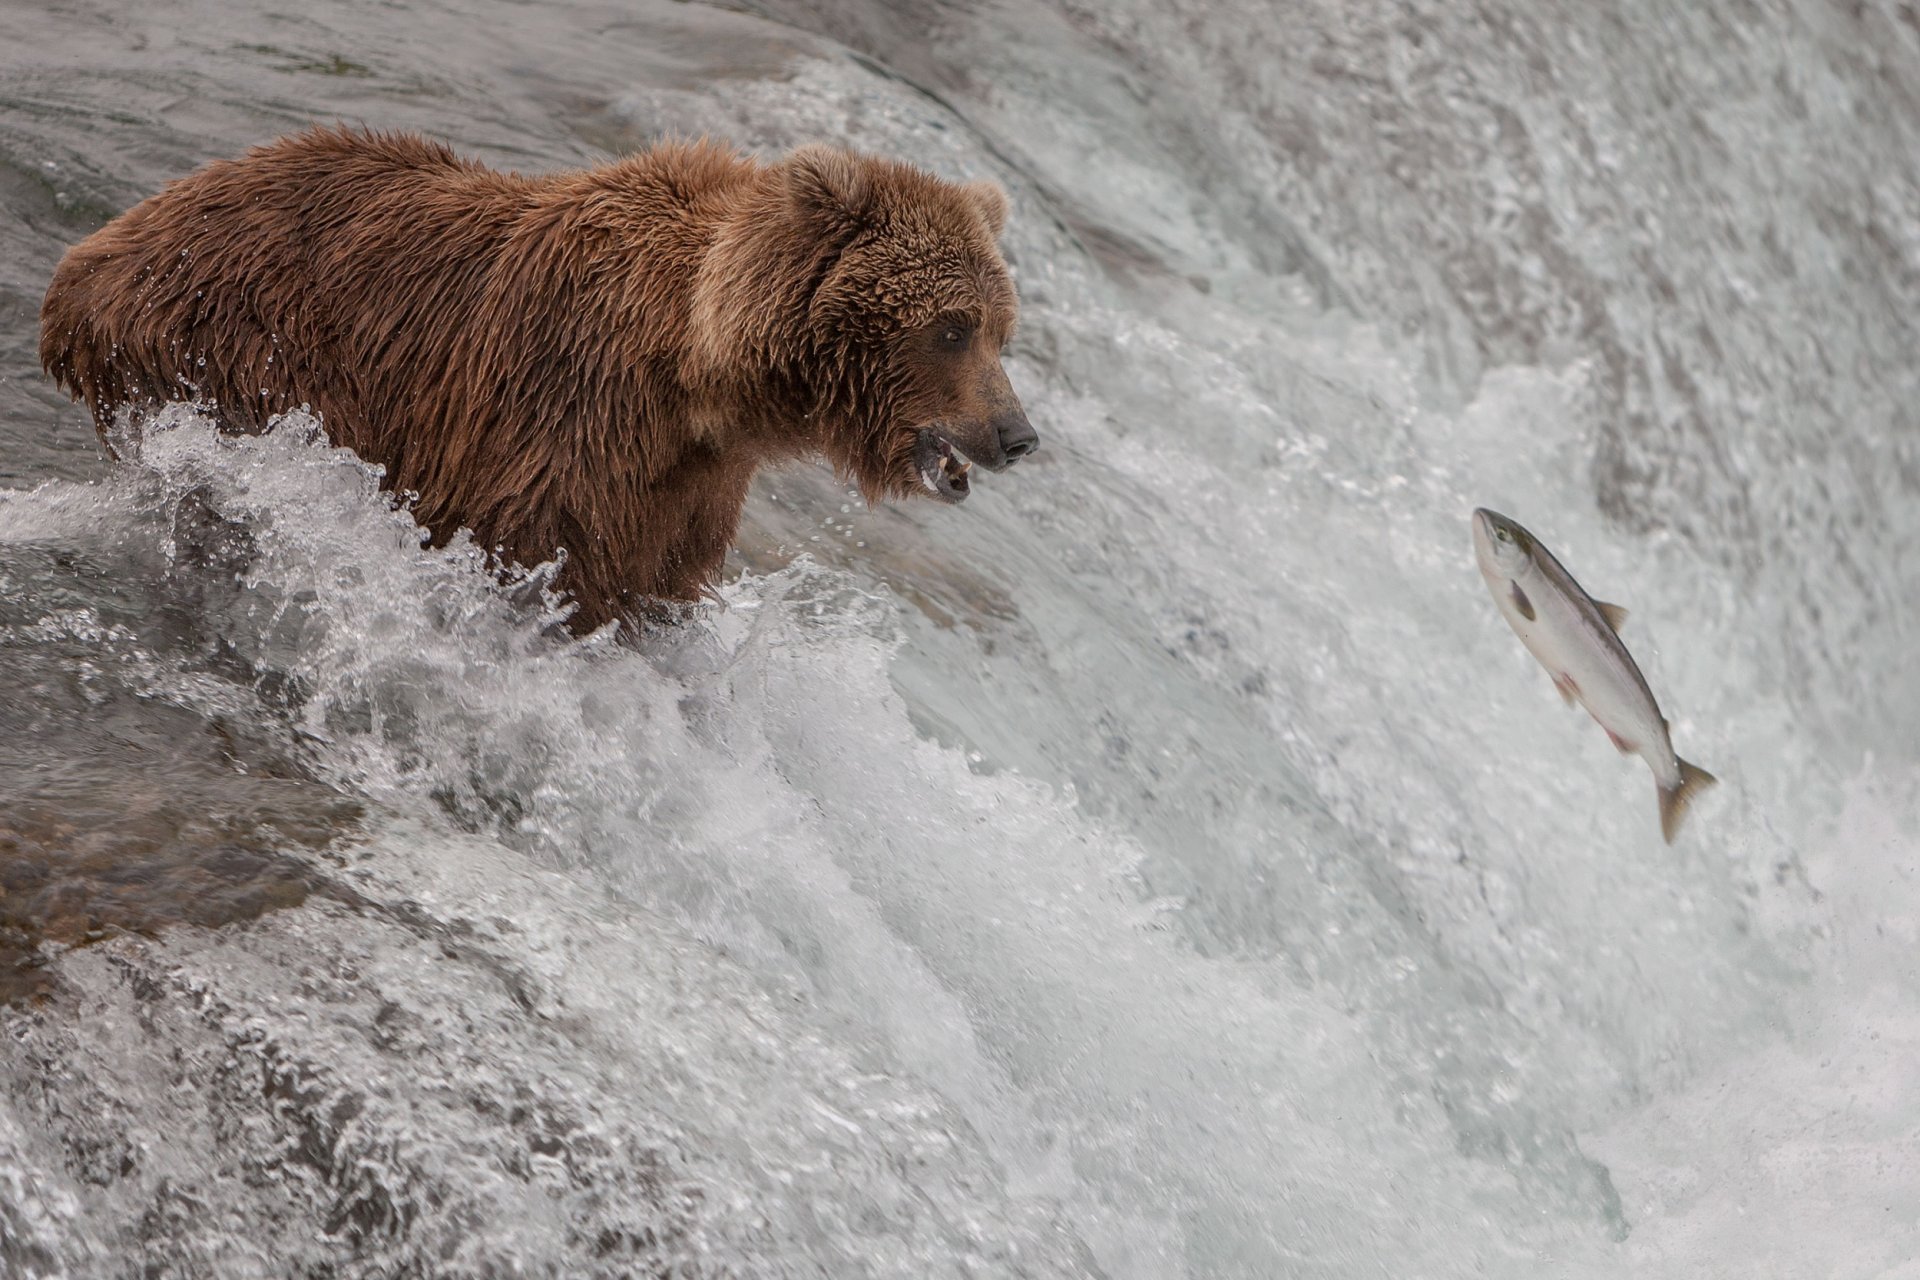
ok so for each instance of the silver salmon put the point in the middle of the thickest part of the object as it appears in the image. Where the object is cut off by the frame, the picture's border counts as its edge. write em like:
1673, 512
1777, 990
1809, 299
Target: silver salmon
1576, 638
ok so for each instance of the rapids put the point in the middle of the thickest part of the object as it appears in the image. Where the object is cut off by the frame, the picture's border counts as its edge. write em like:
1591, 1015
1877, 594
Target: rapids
1166, 864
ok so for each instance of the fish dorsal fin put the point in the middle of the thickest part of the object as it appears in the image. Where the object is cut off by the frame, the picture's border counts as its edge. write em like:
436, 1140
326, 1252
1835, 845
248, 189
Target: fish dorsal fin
1615, 615
1520, 601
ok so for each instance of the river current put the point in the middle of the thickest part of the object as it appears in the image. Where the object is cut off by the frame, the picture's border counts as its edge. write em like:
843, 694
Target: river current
1167, 864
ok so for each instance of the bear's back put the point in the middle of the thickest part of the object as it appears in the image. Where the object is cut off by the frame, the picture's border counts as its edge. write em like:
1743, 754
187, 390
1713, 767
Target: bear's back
277, 278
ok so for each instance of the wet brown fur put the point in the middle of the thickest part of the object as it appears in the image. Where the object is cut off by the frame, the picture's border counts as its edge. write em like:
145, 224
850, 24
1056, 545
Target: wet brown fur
596, 360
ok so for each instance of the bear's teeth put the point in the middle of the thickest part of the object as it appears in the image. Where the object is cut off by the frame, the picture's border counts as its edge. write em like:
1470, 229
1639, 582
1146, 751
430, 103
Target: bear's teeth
926, 478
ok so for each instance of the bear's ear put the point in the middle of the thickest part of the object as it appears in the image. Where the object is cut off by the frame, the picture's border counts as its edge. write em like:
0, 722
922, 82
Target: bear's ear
830, 183
990, 198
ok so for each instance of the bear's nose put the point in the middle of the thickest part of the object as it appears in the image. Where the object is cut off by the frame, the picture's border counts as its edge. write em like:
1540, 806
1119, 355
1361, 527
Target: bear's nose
1016, 435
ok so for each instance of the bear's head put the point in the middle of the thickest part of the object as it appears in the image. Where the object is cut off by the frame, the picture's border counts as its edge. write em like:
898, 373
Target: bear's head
880, 294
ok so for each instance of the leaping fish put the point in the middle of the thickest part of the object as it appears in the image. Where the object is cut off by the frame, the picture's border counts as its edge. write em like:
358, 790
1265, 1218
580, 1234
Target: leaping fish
1576, 638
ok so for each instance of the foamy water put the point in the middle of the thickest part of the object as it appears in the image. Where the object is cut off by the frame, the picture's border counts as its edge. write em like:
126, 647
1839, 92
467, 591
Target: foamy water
1167, 864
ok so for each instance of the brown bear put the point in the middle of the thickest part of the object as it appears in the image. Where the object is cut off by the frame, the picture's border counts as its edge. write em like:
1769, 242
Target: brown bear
593, 361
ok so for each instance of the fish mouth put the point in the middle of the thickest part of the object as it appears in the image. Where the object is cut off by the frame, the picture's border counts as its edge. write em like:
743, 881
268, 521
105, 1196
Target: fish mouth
1483, 538
942, 466
1501, 546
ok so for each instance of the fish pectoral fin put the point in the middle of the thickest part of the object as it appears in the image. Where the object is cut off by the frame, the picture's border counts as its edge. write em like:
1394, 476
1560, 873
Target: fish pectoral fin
1520, 601
1620, 744
1615, 615
1569, 691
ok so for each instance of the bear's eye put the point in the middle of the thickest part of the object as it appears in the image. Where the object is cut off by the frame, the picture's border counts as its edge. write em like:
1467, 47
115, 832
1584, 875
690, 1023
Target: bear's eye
953, 334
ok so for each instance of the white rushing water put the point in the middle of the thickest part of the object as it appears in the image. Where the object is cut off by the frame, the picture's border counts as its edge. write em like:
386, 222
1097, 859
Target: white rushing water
1167, 864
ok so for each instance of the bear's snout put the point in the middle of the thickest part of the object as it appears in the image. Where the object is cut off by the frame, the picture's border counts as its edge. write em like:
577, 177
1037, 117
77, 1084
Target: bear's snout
996, 433
995, 439
1016, 436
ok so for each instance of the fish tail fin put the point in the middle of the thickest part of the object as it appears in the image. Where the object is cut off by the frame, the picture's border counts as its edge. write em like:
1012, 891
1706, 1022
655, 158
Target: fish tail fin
1674, 799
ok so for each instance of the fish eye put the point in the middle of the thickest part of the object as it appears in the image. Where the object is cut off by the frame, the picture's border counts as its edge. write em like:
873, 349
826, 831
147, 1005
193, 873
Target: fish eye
1503, 535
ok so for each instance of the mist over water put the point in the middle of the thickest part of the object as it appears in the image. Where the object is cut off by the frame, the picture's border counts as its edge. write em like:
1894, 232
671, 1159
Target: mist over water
1166, 864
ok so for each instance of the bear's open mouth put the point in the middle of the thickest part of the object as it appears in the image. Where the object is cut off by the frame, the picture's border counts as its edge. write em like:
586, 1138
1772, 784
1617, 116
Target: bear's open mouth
942, 471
